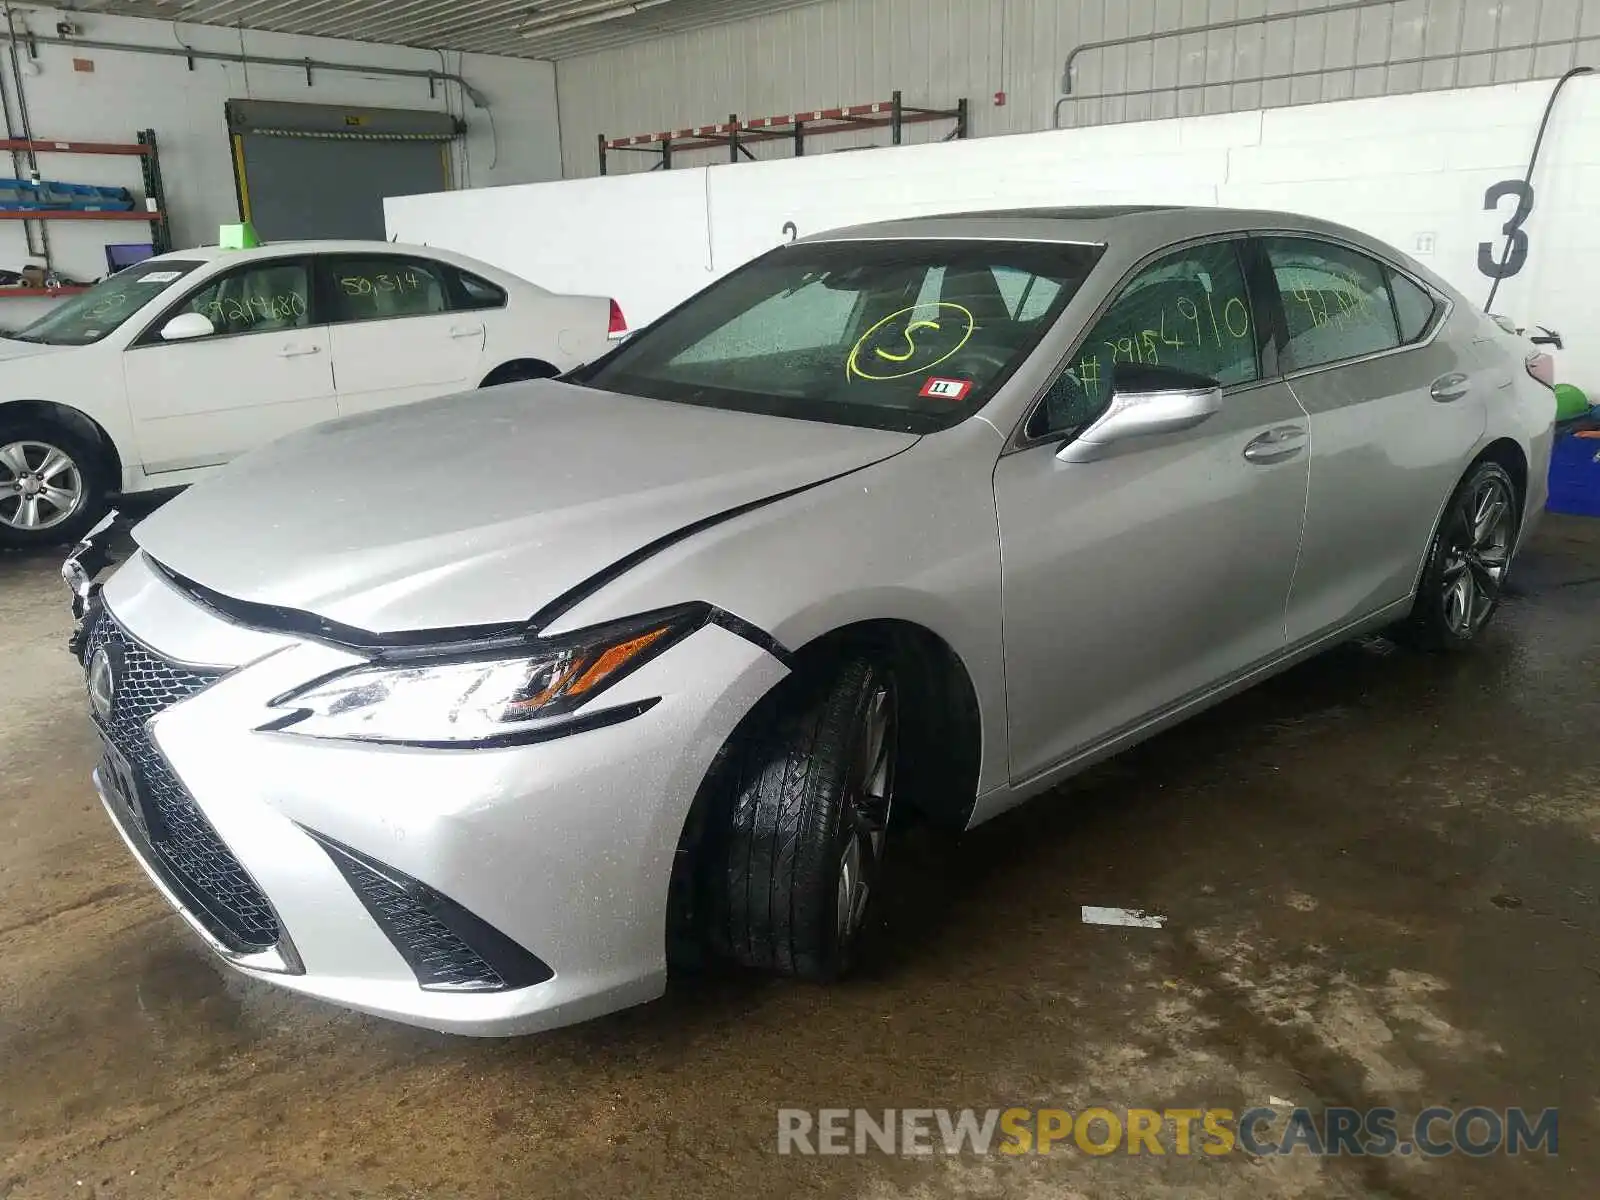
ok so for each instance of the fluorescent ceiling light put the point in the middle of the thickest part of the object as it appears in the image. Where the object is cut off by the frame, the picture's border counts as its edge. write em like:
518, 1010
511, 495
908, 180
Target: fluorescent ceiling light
593, 14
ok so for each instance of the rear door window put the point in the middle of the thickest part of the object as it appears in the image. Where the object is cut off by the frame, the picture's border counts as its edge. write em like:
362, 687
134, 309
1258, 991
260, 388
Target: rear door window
381, 287
1335, 301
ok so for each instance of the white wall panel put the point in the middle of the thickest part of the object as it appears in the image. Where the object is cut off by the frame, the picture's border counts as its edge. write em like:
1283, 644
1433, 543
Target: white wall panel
1411, 169
126, 92
936, 51
577, 236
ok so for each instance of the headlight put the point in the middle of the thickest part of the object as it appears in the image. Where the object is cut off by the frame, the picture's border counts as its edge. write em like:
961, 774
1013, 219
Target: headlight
488, 698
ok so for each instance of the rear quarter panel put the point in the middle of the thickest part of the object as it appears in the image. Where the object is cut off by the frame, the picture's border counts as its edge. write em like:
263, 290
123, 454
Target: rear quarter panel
564, 331
1520, 408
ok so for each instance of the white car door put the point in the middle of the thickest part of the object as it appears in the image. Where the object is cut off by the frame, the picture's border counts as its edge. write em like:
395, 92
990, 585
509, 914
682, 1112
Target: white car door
263, 372
395, 336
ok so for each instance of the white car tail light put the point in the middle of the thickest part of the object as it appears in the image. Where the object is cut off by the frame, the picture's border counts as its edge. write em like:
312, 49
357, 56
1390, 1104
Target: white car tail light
1543, 368
619, 323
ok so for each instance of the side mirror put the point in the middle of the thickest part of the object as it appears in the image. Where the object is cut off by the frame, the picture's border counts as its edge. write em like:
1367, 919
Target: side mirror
1145, 401
186, 326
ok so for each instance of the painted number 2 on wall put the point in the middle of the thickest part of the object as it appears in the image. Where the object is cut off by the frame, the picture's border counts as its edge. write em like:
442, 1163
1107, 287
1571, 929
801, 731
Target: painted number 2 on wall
1516, 245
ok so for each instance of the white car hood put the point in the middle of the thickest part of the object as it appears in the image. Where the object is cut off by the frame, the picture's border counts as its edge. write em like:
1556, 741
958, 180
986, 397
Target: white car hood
481, 509
10, 348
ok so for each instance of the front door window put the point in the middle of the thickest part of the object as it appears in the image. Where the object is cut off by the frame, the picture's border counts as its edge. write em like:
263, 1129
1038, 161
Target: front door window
1189, 309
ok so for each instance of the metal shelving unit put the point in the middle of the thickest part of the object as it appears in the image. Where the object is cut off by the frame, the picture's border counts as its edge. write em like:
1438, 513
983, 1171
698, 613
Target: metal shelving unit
75, 214
145, 149
45, 293
738, 135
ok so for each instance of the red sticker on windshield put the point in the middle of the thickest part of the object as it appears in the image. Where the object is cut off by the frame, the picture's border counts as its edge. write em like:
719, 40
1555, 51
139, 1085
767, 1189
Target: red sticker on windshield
946, 389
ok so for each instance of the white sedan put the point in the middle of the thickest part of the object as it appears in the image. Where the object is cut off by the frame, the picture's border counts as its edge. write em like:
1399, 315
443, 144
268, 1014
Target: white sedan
163, 372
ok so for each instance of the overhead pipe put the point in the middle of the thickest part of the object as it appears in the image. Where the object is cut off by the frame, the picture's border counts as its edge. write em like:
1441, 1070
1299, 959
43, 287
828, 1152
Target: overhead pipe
1237, 23
307, 65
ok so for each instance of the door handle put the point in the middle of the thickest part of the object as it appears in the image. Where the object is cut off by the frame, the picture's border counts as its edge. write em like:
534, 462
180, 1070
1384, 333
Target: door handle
298, 351
467, 331
1277, 444
1450, 387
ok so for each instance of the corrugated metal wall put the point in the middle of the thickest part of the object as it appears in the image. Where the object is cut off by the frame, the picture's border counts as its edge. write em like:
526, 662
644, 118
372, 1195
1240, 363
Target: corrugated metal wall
935, 51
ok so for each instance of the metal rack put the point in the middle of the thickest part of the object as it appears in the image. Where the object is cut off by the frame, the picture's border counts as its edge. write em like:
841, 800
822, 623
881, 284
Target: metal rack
738, 135
144, 149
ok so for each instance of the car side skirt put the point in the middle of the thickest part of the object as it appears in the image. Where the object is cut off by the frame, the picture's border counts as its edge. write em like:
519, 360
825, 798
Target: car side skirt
998, 800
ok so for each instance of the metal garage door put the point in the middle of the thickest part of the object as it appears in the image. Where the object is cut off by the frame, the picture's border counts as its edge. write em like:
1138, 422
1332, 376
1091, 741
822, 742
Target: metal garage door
319, 171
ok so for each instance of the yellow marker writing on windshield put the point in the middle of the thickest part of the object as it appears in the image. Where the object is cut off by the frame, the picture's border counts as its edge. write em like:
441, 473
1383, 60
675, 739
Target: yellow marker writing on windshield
916, 359
910, 341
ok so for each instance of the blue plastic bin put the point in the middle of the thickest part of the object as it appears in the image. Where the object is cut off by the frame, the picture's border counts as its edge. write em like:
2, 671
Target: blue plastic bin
22, 195
1575, 471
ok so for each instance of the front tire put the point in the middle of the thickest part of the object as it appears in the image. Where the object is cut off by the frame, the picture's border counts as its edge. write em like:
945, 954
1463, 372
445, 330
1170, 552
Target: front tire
813, 793
53, 485
1465, 572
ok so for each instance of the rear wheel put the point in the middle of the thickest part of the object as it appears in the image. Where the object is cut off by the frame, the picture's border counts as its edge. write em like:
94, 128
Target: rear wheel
1465, 573
52, 485
516, 372
813, 793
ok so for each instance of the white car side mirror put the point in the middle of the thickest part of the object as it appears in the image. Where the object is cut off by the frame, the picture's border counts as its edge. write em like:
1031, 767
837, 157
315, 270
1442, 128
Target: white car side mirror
187, 325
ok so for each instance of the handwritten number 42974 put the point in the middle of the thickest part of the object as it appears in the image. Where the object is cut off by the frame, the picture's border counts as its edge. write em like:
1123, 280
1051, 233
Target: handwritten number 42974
1516, 244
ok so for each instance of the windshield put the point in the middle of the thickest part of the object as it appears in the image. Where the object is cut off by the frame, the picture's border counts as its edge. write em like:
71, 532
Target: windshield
909, 335
91, 316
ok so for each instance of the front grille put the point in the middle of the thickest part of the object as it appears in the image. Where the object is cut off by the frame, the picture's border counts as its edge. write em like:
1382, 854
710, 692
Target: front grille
188, 852
439, 958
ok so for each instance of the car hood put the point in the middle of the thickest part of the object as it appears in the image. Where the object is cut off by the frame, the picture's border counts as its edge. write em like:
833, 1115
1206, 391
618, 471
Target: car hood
481, 509
10, 348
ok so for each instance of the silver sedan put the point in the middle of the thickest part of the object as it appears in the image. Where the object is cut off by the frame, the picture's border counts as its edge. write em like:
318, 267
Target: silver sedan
475, 713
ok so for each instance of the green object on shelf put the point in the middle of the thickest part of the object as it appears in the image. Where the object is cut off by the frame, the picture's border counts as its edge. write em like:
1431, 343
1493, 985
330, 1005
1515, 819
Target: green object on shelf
1570, 402
238, 237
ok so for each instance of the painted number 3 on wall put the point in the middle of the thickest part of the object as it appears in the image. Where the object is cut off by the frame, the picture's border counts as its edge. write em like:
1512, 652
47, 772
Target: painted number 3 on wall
1516, 246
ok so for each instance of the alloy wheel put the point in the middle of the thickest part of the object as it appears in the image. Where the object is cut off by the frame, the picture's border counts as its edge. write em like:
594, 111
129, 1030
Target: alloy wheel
867, 807
40, 485
1479, 553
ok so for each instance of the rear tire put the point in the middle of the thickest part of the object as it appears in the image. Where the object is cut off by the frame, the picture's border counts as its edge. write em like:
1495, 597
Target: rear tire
517, 372
801, 855
1465, 573
53, 485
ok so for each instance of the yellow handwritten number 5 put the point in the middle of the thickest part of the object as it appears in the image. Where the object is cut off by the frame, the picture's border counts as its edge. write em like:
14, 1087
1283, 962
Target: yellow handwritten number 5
910, 341
853, 366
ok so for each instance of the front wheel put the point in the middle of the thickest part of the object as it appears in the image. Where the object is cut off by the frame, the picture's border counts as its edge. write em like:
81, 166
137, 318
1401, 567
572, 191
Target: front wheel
1466, 568
52, 486
810, 817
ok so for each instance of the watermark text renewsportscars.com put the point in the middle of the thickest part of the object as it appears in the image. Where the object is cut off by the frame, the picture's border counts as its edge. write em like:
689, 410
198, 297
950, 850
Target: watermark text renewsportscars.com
1476, 1131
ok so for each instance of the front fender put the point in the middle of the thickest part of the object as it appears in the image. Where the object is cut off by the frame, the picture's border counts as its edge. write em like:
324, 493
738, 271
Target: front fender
913, 538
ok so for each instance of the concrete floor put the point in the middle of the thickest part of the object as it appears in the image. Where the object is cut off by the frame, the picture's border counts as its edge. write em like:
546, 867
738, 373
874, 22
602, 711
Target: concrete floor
1381, 873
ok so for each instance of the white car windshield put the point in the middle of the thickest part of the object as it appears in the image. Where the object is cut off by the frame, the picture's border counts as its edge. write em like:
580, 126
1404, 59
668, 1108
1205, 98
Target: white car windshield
91, 316
914, 335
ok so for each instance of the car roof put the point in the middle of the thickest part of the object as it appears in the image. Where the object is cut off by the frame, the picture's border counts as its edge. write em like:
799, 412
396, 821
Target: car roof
326, 246
1090, 224
271, 250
